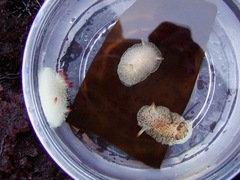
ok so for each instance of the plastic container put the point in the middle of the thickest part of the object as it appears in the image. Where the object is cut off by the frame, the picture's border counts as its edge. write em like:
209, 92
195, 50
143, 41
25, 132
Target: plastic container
66, 35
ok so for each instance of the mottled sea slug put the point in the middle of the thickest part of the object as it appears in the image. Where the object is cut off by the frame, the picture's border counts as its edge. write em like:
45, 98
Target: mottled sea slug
53, 95
163, 125
138, 62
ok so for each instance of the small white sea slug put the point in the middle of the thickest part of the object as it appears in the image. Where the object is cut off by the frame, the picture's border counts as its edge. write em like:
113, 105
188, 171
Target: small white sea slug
53, 95
163, 125
138, 62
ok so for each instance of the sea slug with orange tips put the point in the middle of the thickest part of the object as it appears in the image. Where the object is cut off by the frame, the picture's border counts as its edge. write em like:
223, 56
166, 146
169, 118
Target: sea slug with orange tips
163, 125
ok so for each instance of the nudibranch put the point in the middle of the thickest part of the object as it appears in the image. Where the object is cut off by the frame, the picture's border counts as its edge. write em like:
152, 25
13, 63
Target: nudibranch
138, 62
53, 95
164, 126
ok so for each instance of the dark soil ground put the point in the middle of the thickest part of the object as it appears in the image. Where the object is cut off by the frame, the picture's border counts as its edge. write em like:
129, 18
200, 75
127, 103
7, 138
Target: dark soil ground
21, 154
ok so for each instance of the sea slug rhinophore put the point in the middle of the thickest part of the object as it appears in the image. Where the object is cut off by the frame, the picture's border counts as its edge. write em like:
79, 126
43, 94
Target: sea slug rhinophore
138, 62
163, 125
53, 95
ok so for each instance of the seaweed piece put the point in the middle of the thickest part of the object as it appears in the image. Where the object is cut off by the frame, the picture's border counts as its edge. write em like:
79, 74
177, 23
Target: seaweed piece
107, 108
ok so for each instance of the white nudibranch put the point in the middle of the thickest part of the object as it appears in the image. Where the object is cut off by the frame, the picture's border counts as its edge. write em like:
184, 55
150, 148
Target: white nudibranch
53, 95
163, 125
138, 62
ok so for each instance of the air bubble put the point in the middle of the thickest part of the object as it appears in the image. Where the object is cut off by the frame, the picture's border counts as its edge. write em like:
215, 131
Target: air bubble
85, 38
195, 174
27, 91
30, 110
73, 19
68, 12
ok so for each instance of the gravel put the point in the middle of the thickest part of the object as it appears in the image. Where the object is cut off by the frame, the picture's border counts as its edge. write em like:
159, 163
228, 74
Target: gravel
21, 154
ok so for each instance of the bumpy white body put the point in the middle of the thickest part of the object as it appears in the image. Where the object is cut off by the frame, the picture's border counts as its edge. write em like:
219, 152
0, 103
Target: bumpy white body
53, 95
163, 125
138, 62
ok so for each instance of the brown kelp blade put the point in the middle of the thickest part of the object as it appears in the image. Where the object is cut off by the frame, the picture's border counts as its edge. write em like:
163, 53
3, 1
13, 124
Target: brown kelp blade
107, 108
